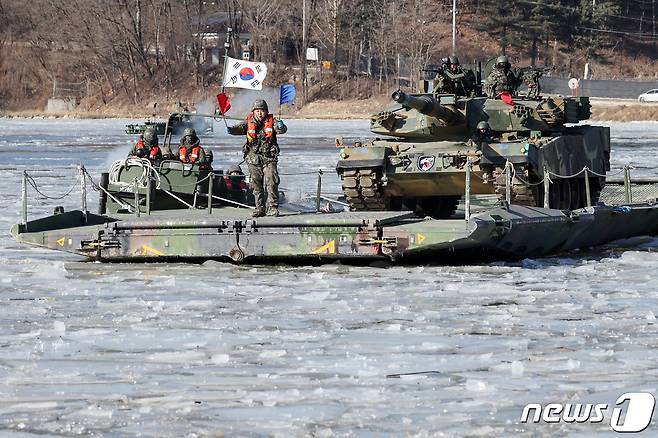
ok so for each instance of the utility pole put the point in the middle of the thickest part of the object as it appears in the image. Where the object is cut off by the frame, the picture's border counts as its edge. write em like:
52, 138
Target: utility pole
454, 26
653, 21
304, 47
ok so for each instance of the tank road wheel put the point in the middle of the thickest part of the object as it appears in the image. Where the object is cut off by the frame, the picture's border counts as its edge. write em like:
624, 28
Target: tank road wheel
363, 189
522, 193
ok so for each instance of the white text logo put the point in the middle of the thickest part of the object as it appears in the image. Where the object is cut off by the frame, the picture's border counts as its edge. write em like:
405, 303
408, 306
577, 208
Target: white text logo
633, 412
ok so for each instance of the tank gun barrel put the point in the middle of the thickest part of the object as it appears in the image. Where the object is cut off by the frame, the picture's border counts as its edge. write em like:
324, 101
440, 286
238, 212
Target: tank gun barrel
429, 106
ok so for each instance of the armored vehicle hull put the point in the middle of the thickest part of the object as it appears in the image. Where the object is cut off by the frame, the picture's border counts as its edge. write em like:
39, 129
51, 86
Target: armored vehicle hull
355, 238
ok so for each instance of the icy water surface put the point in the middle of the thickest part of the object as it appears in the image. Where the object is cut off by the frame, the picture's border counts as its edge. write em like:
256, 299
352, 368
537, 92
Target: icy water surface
205, 350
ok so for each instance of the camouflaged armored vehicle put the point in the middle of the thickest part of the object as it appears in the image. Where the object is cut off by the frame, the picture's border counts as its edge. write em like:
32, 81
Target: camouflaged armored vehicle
419, 161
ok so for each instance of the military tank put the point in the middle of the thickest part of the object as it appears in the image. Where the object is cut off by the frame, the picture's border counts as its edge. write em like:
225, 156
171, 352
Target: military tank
419, 162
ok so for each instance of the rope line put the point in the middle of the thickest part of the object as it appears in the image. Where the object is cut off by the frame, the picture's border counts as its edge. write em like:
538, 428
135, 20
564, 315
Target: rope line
35, 186
99, 188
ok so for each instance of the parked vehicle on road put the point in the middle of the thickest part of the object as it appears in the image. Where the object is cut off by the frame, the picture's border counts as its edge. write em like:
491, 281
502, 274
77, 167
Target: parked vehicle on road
649, 96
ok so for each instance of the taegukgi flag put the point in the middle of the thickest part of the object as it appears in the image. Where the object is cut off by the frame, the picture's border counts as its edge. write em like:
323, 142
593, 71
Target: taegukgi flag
244, 74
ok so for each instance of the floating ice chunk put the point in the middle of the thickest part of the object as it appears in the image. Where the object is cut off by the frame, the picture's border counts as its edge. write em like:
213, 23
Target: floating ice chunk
97, 412
323, 433
573, 364
517, 368
270, 354
313, 296
219, 358
394, 327
59, 327
650, 316
177, 357
28, 406
475, 385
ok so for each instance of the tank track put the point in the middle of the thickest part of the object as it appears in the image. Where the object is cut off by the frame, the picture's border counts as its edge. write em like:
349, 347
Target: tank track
363, 189
522, 194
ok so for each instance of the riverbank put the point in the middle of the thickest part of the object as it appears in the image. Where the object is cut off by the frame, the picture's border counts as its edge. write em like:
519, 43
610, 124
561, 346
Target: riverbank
603, 110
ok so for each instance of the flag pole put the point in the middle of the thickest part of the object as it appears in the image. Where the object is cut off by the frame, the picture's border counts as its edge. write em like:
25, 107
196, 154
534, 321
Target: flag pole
227, 46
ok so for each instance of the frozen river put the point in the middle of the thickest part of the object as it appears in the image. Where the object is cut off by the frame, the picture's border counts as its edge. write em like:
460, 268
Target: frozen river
213, 349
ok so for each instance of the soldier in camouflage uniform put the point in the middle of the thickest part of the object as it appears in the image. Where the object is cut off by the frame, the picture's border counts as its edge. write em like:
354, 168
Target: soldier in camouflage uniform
147, 146
190, 150
501, 78
261, 152
482, 135
453, 79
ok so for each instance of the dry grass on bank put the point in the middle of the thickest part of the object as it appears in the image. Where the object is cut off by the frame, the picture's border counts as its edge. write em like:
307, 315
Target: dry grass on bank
616, 110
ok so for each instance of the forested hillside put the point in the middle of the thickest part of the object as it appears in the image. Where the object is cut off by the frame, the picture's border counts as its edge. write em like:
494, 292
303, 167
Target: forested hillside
131, 51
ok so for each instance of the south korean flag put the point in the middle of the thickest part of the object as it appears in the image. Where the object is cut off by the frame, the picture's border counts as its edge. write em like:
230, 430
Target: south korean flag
244, 74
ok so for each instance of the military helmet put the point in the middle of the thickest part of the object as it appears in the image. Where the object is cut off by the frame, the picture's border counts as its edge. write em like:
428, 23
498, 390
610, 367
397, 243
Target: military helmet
502, 60
483, 125
259, 104
189, 132
453, 60
234, 169
150, 136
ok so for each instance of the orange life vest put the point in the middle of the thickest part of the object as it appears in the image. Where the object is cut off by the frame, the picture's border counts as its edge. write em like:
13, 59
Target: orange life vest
268, 127
153, 152
193, 156
241, 184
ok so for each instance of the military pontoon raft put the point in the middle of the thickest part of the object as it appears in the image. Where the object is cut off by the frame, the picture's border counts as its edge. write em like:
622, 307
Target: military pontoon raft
222, 232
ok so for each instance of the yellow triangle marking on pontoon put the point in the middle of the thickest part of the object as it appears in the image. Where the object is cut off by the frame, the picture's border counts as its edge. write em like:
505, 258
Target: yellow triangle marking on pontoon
331, 247
60, 242
149, 250
420, 238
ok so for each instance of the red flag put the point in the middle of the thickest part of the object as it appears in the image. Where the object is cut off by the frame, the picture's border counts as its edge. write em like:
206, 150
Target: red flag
507, 98
224, 103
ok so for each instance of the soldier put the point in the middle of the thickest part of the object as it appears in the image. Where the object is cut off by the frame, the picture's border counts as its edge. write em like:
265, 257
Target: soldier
501, 78
455, 80
147, 146
530, 77
482, 135
190, 150
234, 170
261, 152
